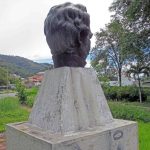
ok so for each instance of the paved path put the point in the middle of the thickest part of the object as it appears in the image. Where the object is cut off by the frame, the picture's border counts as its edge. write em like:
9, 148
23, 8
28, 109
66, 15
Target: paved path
2, 141
7, 95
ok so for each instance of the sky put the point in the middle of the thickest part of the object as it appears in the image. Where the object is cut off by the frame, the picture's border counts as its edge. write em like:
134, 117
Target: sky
22, 23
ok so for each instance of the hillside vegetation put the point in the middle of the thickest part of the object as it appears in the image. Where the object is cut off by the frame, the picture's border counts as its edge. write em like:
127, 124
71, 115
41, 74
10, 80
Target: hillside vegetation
21, 66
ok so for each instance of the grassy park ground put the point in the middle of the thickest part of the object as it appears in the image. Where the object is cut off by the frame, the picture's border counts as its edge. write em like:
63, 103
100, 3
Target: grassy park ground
137, 112
12, 111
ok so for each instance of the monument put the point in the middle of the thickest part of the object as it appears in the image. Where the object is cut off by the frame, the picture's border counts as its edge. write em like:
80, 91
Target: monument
71, 111
68, 34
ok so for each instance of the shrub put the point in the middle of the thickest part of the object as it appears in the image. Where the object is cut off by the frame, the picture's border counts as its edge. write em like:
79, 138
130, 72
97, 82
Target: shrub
31, 94
30, 100
21, 92
147, 92
128, 93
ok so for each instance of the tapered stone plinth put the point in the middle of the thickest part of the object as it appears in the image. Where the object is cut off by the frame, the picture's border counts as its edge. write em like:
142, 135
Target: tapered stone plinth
70, 100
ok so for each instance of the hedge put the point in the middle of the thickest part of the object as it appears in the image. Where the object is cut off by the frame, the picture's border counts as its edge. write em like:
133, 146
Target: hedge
127, 93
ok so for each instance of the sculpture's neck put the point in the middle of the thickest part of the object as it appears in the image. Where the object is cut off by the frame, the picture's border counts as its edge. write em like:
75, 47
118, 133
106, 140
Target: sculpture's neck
68, 59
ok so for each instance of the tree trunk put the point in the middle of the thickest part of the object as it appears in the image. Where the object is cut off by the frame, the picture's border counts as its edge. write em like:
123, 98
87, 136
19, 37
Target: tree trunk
140, 91
119, 77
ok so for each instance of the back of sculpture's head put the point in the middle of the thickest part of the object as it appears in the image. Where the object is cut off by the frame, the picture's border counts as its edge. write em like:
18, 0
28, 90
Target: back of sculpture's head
67, 30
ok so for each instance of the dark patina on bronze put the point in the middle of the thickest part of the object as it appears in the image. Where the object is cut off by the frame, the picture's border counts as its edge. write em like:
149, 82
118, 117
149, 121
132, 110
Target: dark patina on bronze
68, 34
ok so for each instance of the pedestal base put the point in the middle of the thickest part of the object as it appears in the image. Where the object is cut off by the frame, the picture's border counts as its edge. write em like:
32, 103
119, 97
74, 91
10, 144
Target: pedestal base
118, 135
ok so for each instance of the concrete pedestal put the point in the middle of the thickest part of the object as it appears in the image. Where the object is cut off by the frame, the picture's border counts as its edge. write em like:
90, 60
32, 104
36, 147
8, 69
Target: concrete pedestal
71, 113
119, 135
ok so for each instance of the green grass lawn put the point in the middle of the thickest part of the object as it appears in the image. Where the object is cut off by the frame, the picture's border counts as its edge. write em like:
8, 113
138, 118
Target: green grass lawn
130, 111
145, 104
144, 136
11, 111
138, 112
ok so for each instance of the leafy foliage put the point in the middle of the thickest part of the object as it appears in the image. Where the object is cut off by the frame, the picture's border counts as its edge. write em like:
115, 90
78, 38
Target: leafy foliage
21, 92
31, 94
111, 48
140, 68
125, 93
135, 15
125, 37
3, 76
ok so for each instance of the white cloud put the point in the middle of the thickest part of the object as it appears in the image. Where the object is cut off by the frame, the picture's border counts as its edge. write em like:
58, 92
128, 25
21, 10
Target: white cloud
21, 24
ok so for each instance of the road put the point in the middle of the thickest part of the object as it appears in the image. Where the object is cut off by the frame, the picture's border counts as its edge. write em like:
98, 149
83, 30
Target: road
7, 95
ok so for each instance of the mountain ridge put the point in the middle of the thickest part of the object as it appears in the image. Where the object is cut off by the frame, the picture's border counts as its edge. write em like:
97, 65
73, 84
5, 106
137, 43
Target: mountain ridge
22, 66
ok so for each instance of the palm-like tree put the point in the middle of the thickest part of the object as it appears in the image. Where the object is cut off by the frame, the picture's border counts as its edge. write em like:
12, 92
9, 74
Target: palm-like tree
139, 69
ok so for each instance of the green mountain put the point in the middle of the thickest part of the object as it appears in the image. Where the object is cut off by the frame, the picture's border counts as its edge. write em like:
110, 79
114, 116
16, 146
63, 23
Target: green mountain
22, 66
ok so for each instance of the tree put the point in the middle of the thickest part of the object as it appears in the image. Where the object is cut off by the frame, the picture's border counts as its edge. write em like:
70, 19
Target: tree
111, 47
99, 62
141, 67
135, 16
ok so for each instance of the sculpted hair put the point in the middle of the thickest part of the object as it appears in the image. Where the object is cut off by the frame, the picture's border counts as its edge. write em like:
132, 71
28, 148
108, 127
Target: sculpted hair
67, 29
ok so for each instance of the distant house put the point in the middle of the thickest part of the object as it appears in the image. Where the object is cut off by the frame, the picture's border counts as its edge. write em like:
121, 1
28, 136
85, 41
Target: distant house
35, 80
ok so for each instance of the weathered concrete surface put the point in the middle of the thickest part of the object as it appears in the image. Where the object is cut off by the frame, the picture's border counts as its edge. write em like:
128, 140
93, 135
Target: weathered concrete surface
118, 135
70, 100
71, 113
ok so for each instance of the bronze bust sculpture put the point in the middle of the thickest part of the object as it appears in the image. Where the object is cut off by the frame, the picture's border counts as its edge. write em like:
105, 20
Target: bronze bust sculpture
68, 34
